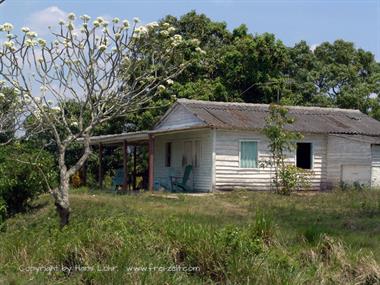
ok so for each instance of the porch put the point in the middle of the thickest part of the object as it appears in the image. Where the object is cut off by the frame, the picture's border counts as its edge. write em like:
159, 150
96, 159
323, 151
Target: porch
177, 159
129, 143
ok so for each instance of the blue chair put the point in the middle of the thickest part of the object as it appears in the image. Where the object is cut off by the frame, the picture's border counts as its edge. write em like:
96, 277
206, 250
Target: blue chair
181, 185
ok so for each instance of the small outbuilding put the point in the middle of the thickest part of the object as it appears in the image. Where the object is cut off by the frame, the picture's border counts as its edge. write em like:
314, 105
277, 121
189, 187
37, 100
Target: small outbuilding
224, 144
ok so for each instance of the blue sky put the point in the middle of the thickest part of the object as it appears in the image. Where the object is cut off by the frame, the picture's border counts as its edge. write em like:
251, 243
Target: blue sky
291, 21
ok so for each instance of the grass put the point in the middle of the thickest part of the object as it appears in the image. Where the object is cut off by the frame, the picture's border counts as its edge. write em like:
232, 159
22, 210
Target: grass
227, 238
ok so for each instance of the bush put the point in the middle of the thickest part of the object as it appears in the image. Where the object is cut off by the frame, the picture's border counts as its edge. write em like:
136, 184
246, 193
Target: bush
293, 178
24, 172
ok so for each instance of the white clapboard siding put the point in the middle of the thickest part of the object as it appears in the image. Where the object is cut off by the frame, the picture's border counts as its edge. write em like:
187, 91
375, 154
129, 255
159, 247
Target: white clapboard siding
177, 118
201, 176
345, 151
228, 174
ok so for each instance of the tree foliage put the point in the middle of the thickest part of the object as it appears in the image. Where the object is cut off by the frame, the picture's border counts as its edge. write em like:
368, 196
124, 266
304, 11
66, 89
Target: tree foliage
25, 172
259, 68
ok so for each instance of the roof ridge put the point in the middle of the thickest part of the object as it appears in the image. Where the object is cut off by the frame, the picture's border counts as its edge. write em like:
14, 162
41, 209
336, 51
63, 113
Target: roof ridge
316, 108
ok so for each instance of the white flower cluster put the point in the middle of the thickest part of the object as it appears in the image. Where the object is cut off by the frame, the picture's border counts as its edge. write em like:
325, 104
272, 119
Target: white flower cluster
85, 18
41, 42
195, 42
140, 31
27, 97
176, 40
125, 24
9, 45
166, 29
6, 27
100, 22
102, 47
25, 29
30, 43
31, 35
161, 88
71, 16
152, 25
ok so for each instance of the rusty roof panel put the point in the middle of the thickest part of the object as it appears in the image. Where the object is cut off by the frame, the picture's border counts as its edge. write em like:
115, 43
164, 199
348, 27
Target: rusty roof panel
307, 119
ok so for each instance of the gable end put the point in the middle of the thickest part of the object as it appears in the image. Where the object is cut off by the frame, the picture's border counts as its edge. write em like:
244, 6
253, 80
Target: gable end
178, 117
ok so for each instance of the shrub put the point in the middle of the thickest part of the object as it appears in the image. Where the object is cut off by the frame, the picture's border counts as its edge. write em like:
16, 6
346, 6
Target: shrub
24, 172
287, 177
293, 178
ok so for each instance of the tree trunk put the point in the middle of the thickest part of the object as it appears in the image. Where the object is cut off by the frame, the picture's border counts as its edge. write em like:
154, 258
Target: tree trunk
61, 194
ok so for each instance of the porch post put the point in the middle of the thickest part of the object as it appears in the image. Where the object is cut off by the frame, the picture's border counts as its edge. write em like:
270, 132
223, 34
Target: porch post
151, 162
134, 167
100, 166
125, 164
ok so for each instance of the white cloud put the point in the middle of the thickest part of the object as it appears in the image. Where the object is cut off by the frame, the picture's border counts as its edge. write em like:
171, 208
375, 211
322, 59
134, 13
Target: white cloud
41, 20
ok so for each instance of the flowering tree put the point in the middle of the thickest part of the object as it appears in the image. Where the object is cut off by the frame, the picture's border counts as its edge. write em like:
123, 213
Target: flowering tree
84, 65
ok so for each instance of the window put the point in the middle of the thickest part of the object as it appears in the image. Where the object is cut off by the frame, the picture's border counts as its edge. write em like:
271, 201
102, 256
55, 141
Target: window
168, 154
248, 154
304, 156
187, 153
197, 153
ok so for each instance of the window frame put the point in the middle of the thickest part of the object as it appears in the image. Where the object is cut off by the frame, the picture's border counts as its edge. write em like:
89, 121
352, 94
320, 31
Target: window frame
311, 154
166, 154
257, 153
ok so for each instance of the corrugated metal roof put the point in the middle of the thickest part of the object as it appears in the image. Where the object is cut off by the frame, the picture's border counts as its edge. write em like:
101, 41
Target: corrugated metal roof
307, 119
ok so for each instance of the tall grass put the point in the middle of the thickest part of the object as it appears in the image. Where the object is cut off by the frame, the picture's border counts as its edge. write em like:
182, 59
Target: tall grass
234, 238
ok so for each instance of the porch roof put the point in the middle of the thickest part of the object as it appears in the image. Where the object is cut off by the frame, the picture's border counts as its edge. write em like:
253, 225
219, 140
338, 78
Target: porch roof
131, 137
136, 137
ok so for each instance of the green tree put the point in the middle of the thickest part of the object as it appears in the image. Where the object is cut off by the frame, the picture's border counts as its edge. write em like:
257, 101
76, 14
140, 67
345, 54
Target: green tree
250, 63
333, 75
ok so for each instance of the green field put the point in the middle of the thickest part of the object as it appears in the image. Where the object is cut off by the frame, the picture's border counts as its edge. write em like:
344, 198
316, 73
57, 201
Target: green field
225, 238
